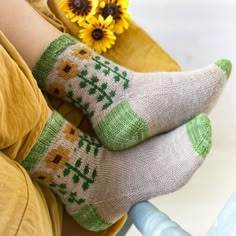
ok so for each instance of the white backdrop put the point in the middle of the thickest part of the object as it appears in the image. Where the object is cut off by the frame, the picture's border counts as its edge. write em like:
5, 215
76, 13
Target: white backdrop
196, 33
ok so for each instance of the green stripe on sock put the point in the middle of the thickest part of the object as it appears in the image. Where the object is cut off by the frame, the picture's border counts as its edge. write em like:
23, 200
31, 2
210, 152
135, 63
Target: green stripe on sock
88, 218
199, 132
121, 128
49, 57
51, 130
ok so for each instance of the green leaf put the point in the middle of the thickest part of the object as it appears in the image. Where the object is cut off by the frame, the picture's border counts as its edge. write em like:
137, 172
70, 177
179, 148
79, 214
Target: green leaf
63, 192
100, 98
97, 58
92, 91
117, 78
73, 194
81, 201
107, 62
86, 169
112, 93
71, 200
53, 185
62, 186
104, 86
93, 140
86, 106
116, 68
106, 105
76, 179
70, 94
124, 73
95, 151
94, 174
83, 84
126, 85
98, 67
106, 72
85, 186
81, 143
95, 79
98, 144
88, 148
79, 100
78, 163
91, 114
66, 172
84, 72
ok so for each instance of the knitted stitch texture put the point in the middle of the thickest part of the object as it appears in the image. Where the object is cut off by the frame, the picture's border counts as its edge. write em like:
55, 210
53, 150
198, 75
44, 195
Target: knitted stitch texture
126, 107
98, 186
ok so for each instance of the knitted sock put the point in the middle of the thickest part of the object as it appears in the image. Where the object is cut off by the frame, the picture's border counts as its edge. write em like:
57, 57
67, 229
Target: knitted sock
126, 107
98, 186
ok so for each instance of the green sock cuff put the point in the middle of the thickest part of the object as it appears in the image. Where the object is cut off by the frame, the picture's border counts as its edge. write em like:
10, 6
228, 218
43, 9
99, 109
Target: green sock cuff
49, 57
89, 218
199, 132
51, 130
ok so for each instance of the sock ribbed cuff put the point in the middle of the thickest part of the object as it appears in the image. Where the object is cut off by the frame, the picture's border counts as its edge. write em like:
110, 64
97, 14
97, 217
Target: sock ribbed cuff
51, 130
49, 57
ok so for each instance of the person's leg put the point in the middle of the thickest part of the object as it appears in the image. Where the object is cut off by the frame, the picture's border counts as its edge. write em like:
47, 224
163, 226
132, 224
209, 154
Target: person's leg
21, 120
24, 110
92, 181
98, 186
124, 107
26, 29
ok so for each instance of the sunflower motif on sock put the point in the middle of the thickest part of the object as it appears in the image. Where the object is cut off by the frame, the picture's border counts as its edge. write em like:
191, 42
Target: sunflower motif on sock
57, 90
42, 177
79, 10
57, 158
82, 53
67, 69
118, 10
71, 134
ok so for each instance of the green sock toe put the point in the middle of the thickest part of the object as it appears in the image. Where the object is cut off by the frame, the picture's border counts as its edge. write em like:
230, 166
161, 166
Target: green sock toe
199, 132
225, 65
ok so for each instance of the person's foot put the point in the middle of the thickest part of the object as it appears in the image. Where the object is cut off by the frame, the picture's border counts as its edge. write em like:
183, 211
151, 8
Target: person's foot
98, 186
126, 107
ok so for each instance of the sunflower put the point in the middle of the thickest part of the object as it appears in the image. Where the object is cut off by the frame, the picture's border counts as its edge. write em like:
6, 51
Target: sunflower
79, 10
118, 10
97, 33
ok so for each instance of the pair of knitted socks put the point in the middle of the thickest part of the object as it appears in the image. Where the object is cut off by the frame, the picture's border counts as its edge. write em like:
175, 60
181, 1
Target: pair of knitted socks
96, 184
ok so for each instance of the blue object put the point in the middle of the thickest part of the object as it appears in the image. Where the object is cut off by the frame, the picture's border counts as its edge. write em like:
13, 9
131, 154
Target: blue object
225, 224
151, 222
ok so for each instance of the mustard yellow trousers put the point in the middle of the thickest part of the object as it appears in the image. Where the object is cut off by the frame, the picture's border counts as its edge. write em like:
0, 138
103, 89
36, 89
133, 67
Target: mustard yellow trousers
27, 208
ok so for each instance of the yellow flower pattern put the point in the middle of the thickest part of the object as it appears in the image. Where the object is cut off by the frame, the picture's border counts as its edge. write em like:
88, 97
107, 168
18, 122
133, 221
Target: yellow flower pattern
56, 90
71, 133
67, 69
42, 177
57, 158
82, 53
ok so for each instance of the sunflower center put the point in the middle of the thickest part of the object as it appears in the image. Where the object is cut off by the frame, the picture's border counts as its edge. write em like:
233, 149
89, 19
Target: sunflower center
110, 9
79, 5
97, 34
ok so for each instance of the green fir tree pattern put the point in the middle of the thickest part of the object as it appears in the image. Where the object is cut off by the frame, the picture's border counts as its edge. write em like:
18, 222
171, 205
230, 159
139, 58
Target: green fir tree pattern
107, 70
90, 143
